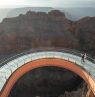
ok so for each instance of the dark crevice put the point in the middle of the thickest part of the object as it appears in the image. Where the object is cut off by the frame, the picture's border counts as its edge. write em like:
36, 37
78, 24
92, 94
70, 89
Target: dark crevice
49, 82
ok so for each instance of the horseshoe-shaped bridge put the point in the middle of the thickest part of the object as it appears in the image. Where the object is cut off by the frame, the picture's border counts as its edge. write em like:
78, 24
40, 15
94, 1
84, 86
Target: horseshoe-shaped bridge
13, 68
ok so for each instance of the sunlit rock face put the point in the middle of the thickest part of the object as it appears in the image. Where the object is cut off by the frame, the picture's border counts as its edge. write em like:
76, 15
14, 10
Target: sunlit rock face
49, 82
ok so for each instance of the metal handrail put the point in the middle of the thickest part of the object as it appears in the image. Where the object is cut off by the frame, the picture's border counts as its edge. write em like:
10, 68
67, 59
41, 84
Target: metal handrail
33, 50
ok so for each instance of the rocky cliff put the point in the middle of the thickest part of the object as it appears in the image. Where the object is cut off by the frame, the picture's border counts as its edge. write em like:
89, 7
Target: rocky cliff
85, 31
40, 29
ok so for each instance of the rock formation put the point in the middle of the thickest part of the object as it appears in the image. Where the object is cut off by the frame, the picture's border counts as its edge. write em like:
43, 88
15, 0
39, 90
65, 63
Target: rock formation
40, 29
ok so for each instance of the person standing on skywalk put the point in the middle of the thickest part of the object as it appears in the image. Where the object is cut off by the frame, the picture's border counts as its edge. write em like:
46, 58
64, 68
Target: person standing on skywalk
83, 57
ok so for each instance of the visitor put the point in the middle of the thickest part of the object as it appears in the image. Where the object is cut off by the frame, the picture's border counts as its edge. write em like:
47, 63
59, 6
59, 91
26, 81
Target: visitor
83, 57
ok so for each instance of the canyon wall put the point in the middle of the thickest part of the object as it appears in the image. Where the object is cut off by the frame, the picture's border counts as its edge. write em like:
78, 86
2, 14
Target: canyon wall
52, 29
